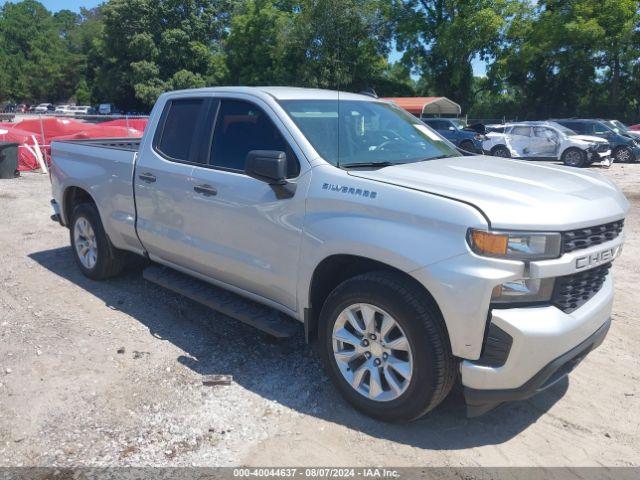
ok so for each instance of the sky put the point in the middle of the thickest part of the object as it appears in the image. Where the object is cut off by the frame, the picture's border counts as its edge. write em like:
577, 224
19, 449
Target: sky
55, 5
479, 67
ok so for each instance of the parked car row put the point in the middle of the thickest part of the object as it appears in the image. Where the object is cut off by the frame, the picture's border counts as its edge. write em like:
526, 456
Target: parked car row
576, 142
63, 109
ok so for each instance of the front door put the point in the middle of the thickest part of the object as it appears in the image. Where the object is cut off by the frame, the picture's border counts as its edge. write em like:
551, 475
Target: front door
245, 235
545, 142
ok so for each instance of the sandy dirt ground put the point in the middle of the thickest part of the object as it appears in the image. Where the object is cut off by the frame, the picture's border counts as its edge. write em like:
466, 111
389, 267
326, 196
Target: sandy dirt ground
110, 373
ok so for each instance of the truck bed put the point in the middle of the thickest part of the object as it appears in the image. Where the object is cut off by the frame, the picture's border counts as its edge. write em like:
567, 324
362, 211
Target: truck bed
104, 167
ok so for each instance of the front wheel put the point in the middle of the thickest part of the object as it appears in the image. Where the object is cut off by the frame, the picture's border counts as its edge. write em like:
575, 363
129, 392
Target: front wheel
574, 157
385, 347
623, 155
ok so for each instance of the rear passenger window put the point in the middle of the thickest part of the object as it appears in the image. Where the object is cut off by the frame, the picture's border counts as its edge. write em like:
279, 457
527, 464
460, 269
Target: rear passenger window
241, 127
179, 135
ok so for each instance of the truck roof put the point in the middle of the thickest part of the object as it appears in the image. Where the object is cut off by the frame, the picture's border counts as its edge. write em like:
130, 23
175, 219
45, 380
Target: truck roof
284, 93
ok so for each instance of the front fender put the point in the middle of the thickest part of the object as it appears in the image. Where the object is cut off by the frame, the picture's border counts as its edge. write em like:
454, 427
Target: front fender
403, 228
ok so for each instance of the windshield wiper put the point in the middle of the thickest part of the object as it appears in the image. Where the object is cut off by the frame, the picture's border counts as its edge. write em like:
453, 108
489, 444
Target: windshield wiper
437, 157
367, 164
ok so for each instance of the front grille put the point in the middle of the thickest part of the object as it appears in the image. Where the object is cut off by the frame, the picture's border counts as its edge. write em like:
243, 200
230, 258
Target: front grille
588, 237
573, 291
603, 147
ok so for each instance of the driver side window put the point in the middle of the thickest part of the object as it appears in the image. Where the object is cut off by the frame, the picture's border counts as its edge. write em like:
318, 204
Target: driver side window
241, 127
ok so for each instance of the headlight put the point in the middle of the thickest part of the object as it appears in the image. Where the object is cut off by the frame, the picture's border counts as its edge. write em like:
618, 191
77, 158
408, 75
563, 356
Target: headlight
515, 245
524, 290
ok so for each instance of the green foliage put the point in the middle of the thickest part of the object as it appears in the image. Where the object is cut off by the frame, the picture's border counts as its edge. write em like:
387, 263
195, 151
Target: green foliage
547, 58
35, 60
568, 58
83, 94
152, 45
441, 38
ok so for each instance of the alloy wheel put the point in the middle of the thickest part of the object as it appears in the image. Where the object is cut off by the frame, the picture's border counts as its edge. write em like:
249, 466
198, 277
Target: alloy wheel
623, 155
372, 352
573, 158
84, 240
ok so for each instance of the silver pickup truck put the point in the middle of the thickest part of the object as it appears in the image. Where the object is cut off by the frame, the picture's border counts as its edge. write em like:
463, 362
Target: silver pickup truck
408, 263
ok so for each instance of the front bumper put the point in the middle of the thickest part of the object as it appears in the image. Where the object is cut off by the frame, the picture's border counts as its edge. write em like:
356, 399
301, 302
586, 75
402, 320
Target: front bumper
544, 343
481, 401
599, 155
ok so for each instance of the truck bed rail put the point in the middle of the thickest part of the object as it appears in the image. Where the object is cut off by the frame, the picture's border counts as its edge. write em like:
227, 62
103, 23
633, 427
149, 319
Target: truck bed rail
130, 144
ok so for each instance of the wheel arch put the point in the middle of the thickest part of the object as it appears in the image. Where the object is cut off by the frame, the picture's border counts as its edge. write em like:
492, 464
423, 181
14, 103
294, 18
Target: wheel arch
72, 196
500, 145
337, 268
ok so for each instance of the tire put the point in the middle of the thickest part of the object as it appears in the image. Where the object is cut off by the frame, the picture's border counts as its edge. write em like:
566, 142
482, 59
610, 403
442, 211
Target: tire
623, 155
107, 260
574, 157
501, 151
431, 367
468, 146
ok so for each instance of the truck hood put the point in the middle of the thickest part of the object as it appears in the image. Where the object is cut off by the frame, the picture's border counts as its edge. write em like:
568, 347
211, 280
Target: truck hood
512, 193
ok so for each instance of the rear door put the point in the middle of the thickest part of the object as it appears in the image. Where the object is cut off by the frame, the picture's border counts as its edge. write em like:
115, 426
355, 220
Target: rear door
243, 234
163, 183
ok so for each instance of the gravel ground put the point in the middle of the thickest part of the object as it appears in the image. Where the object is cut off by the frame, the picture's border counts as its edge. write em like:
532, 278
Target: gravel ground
110, 373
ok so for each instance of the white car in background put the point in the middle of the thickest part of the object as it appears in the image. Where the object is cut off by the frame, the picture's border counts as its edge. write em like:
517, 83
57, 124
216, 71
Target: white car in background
63, 109
43, 108
547, 140
82, 110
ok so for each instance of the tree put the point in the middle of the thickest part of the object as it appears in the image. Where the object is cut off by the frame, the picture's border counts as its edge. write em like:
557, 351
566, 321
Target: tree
83, 94
35, 59
442, 37
257, 45
340, 43
150, 45
567, 58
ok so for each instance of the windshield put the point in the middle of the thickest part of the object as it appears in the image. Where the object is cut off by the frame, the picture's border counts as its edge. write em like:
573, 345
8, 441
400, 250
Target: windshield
349, 132
459, 124
617, 126
567, 131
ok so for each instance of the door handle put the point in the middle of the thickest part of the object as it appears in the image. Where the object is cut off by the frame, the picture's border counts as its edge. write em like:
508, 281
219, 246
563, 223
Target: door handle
206, 190
147, 177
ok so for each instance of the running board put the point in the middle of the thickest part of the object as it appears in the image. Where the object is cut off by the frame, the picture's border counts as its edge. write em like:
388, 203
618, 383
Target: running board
235, 306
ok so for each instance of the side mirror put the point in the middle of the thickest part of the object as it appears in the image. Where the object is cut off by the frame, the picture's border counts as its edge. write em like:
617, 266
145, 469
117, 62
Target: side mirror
267, 165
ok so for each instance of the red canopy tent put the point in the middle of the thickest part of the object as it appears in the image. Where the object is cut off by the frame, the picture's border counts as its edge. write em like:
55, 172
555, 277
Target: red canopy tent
425, 106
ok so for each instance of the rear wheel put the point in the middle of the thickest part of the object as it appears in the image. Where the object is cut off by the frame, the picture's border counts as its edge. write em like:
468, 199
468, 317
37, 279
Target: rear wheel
501, 151
96, 257
385, 347
574, 157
